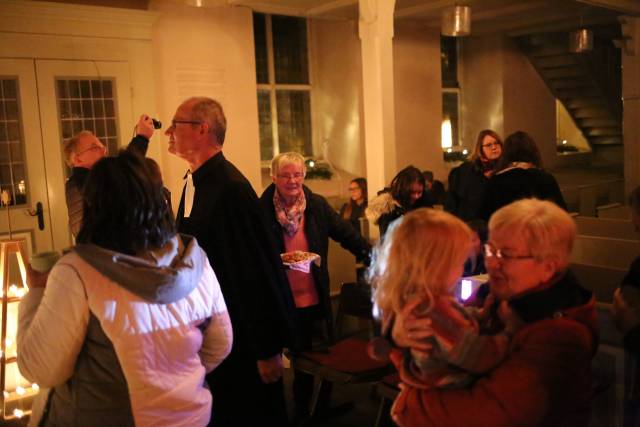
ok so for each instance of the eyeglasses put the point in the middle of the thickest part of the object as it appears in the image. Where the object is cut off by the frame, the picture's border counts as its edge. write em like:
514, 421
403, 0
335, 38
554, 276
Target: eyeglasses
92, 148
186, 122
491, 251
491, 145
291, 177
354, 188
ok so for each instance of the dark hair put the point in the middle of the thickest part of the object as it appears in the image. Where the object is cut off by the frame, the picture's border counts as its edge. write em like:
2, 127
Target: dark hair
437, 192
124, 208
480, 228
478, 155
362, 184
401, 184
428, 176
520, 147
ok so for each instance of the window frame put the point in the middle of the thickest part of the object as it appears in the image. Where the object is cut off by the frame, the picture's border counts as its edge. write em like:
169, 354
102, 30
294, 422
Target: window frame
458, 91
272, 87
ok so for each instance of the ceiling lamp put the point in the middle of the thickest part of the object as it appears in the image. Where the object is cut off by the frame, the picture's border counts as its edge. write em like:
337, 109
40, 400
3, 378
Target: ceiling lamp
456, 21
581, 40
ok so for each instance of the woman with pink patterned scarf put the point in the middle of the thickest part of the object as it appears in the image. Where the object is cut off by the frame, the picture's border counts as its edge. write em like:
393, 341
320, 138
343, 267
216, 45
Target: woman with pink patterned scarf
303, 221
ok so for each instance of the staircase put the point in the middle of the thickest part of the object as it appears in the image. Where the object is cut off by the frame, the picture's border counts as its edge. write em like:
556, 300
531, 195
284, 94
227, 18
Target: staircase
587, 84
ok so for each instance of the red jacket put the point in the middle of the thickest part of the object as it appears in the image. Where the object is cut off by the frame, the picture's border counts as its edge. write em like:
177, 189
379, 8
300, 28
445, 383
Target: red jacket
545, 379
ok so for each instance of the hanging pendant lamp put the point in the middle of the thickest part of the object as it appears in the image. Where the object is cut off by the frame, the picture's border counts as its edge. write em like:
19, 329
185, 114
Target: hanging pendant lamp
581, 40
456, 21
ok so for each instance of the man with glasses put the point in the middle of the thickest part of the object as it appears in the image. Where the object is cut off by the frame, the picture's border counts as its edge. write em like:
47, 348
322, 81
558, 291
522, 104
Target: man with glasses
545, 379
219, 207
81, 152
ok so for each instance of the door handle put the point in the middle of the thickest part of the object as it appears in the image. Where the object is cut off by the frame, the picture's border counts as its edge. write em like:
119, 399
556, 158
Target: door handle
39, 212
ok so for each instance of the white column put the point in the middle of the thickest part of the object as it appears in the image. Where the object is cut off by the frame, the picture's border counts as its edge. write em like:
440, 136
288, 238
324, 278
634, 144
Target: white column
376, 34
630, 49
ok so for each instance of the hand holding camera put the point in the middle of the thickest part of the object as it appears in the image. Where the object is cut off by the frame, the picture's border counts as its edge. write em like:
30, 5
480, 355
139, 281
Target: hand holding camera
146, 126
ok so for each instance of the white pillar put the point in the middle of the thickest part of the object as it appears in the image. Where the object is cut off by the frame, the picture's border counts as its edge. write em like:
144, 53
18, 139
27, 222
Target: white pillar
376, 34
631, 101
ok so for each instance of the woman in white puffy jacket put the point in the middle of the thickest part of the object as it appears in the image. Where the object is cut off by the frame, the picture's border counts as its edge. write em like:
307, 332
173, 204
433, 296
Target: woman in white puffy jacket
130, 320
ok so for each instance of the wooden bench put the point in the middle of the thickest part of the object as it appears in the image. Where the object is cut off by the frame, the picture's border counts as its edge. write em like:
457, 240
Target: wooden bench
614, 211
606, 227
606, 252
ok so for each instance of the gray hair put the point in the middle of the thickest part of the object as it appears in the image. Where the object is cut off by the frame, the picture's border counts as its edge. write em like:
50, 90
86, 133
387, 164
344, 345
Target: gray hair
209, 111
548, 230
290, 157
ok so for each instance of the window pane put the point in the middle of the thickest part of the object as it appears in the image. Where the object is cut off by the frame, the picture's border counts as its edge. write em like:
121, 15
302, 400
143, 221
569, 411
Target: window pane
450, 111
266, 127
449, 61
85, 104
294, 121
290, 49
260, 39
12, 171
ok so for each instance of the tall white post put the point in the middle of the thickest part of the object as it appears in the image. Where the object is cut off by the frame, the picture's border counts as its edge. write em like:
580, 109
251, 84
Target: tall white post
376, 34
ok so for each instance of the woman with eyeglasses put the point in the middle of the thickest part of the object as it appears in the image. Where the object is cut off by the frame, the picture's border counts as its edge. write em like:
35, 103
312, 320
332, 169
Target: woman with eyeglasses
354, 209
301, 220
545, 378
468, 181
520, 176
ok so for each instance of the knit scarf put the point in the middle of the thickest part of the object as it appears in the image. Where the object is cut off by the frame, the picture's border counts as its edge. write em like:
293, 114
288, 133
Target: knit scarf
289, 218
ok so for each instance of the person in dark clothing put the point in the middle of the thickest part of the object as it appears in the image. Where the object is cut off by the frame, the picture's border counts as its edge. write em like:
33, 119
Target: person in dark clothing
301, 220
520, 176
219, 207
406, 193
354, 209
467, 182
475, 263
81, 152
626, 301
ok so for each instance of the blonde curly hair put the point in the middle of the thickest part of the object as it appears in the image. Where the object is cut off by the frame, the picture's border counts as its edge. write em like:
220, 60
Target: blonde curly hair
417, 256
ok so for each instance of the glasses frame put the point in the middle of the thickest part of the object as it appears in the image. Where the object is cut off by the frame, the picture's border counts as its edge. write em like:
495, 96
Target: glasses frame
185, 122
491, 251
92, 148
491, 145
291, 177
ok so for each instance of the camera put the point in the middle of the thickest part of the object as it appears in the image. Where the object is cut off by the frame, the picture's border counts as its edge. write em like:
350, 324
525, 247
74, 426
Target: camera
157, 124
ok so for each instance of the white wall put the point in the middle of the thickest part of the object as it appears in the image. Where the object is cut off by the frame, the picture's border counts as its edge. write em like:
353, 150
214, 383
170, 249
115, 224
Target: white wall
502, 91
418, 99
208, 52
337, 93
528, 103
482, 90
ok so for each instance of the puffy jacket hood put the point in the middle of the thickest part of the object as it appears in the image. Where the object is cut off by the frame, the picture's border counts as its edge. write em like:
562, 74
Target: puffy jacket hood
380, 205
160, 276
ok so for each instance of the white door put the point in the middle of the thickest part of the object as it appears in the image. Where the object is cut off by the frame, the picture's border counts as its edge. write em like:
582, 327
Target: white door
74, 96
66, 96
22, 164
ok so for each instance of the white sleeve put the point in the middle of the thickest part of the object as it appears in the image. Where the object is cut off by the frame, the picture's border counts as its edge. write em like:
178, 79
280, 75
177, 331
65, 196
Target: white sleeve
52, 324
218, 335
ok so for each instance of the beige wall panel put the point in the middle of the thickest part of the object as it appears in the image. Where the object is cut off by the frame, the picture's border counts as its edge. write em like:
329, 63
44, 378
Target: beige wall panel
482, 90
208, 52
337, 93
528, 104
418, 99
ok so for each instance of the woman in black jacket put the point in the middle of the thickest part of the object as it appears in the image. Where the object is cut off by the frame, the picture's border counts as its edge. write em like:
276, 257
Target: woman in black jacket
406, 193
301, 220
520, 176
467, 182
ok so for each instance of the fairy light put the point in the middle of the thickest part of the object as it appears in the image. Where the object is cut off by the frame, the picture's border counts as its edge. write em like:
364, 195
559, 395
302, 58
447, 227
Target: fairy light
20, 390
18, 413
35, 387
